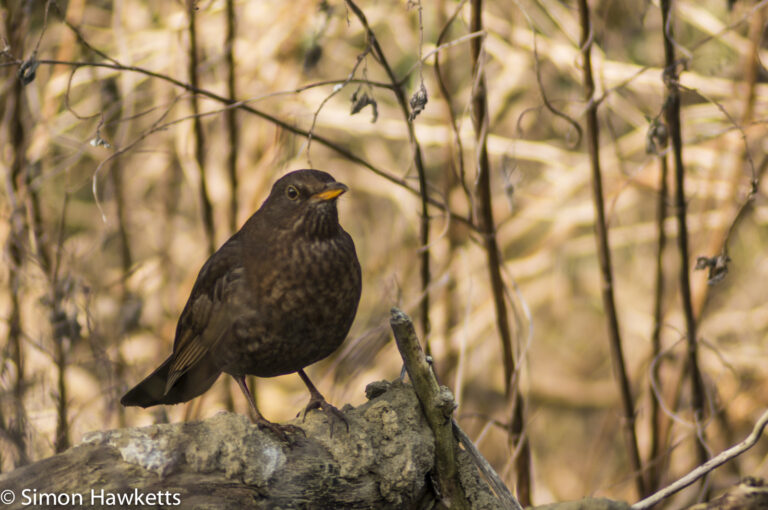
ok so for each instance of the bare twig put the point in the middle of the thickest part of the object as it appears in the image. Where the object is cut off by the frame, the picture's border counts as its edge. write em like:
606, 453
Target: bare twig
63, 327
58, 320
233, 130
42, 251
456, 177
717, 248
657, 140
60, 348
483, 190
502, 492
487, 227
336, 89
604, 252
438, 405
440, 46
243, 105
418, 161
194, 80
672, 111
233, 140
15, 426
112, 106
707, 467
448, 99
542, 89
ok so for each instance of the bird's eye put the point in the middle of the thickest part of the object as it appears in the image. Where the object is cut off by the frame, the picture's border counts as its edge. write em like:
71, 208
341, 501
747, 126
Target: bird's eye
292, 193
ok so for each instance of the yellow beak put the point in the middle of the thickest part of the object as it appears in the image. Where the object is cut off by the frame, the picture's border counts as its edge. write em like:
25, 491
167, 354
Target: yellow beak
332, 191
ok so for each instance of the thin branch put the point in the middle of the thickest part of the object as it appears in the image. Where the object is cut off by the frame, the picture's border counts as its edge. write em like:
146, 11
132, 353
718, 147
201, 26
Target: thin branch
233, 130
418, 161
57, 318
672, 111
718, 248
14, 427
243, 105
485, 218
112, 105
658, 141
449, 101
440, 46
336, 89
487, 227
205, 201
707, 467
452, 178
438, 405
604, 252
542, 89
494, 480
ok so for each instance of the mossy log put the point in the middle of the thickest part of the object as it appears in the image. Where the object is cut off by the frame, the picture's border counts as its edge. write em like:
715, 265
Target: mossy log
385, 460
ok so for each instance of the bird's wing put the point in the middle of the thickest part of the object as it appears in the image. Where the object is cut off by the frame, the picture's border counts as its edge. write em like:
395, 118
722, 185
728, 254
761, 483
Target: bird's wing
207, 318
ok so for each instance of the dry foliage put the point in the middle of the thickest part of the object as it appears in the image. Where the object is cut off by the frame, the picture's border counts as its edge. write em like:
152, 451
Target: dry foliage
104, 230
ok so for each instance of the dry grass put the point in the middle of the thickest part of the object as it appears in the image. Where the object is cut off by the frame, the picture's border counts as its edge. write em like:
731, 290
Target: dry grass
542, 206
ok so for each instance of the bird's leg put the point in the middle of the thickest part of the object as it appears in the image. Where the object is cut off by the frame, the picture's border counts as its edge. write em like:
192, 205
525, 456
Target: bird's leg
317, 401
261, 422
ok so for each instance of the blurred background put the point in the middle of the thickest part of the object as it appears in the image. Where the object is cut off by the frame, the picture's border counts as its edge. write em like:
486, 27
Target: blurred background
118, 183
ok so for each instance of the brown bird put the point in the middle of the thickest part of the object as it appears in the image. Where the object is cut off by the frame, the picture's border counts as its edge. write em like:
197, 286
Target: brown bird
278, 296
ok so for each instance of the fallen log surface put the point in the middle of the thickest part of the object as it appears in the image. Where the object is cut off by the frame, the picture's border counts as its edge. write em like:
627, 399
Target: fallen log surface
385, 460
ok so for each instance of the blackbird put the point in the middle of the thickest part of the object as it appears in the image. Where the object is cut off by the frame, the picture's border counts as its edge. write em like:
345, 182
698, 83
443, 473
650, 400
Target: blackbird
279, 295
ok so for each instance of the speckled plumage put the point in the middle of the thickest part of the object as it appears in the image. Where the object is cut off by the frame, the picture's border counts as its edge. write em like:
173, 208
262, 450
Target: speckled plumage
279, 295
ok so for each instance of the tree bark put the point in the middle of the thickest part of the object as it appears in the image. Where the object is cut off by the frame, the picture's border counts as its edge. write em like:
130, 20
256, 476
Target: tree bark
385, 460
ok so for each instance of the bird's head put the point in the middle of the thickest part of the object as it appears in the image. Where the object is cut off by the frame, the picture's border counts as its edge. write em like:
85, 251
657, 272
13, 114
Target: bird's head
305, 202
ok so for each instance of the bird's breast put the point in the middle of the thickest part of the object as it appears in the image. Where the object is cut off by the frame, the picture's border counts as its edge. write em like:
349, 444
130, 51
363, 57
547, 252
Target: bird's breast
301, 305
318, 281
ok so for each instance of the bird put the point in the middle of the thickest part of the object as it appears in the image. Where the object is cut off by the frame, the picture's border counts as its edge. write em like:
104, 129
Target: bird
279, 295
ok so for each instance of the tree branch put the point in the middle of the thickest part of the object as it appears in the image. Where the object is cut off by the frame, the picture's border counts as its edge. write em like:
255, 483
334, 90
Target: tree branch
604, 252
418, 161
715, 462
438, 405
672, 110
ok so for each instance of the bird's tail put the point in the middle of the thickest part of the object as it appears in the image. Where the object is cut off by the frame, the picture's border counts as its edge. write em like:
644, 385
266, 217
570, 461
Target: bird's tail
194, 382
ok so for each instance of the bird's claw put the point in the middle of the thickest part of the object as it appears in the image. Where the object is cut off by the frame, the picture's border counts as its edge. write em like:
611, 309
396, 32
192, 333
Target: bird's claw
282, 431
321, 403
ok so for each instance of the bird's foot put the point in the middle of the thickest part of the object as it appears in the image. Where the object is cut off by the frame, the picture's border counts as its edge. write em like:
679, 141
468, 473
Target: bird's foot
318, 402
278, 429
282, 431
